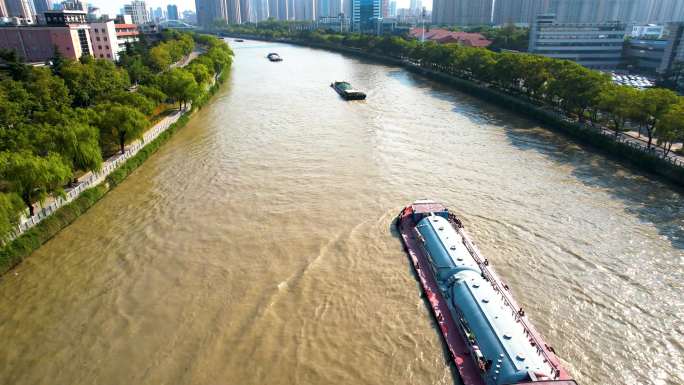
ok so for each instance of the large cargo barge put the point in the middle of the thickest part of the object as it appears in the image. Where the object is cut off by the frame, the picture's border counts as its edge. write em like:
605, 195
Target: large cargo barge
487, 333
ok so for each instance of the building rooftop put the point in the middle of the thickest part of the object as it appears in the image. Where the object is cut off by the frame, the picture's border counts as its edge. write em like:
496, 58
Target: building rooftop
446, 36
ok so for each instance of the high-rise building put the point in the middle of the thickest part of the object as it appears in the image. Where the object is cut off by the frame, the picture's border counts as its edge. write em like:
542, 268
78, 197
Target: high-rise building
22, 9
233, 11
593, 45
245, 11
42, 6
328, 8
366, 15
138, 12
260, 9
172, 12
393, 8
209, 11
519, 11
347, 8
74, 5
462, 12
305, 10
156, 15
664, 11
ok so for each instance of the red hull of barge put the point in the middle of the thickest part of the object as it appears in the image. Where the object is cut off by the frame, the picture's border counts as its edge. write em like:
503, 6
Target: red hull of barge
468, 371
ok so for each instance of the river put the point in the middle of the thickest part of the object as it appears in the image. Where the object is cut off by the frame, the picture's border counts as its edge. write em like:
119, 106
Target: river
256, 246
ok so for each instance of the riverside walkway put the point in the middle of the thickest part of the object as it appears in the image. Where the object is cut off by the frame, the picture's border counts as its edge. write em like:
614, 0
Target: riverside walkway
95, 178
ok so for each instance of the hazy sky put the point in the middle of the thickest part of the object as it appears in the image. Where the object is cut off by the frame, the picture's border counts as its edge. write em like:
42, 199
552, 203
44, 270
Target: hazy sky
112, 7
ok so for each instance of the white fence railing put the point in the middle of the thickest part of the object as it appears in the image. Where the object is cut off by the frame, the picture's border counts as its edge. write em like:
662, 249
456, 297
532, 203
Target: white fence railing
98, 177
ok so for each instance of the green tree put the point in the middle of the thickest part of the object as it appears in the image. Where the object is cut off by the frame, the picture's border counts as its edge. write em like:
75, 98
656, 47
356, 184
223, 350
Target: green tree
152, 93
200, 72
133, 99
653, 104
120, 124
160, 58
670, 128
76, 142
33, 177
10, 206
93, 80
576, 88
179, 85
619, 102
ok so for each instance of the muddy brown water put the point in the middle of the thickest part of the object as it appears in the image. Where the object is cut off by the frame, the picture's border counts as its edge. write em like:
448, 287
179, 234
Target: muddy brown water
256, 247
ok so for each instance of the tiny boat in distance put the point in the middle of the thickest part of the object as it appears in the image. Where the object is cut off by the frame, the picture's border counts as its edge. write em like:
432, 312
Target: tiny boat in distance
239, 40
347, 92
274, 57
491, 340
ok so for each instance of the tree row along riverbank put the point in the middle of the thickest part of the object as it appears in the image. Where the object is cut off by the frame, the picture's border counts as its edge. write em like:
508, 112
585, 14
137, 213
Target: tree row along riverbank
583, 104
195, 84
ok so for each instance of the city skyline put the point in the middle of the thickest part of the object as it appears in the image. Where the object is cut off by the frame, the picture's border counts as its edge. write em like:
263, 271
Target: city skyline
114, 7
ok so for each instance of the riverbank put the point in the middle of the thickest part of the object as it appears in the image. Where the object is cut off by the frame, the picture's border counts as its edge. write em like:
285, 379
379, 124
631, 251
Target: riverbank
16, 250
623, 149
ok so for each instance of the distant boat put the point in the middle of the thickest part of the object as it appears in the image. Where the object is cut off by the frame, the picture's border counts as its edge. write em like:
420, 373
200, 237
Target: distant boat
274, 57
347, 91
239, 40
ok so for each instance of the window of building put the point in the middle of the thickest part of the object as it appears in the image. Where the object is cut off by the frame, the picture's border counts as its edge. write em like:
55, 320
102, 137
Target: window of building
96, 30
109, 56
99, 47
105, 38
106, 47
97, 38
101, 55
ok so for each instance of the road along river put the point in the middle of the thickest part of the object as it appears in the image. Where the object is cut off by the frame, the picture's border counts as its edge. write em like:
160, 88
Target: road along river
256, 247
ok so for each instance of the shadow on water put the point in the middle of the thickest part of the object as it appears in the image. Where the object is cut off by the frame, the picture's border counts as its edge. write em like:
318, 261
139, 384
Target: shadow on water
645, 196
652, 201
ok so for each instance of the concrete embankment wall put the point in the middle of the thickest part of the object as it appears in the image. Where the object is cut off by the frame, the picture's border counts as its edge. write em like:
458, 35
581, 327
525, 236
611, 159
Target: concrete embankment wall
621, 151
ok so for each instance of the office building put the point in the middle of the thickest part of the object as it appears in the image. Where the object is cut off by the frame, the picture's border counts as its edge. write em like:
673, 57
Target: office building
172, 12
138, 12
66, 31
593, 45
366, 15
104, 40
674, 51
126, 33
462, 12
645, 55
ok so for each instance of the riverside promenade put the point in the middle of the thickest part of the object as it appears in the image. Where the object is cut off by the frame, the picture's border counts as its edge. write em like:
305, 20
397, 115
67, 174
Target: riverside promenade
93, 179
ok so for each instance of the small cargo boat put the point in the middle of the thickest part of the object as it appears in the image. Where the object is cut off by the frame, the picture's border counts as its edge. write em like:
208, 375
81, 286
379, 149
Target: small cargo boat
239, 40
274, 57
489, 337
347, 91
